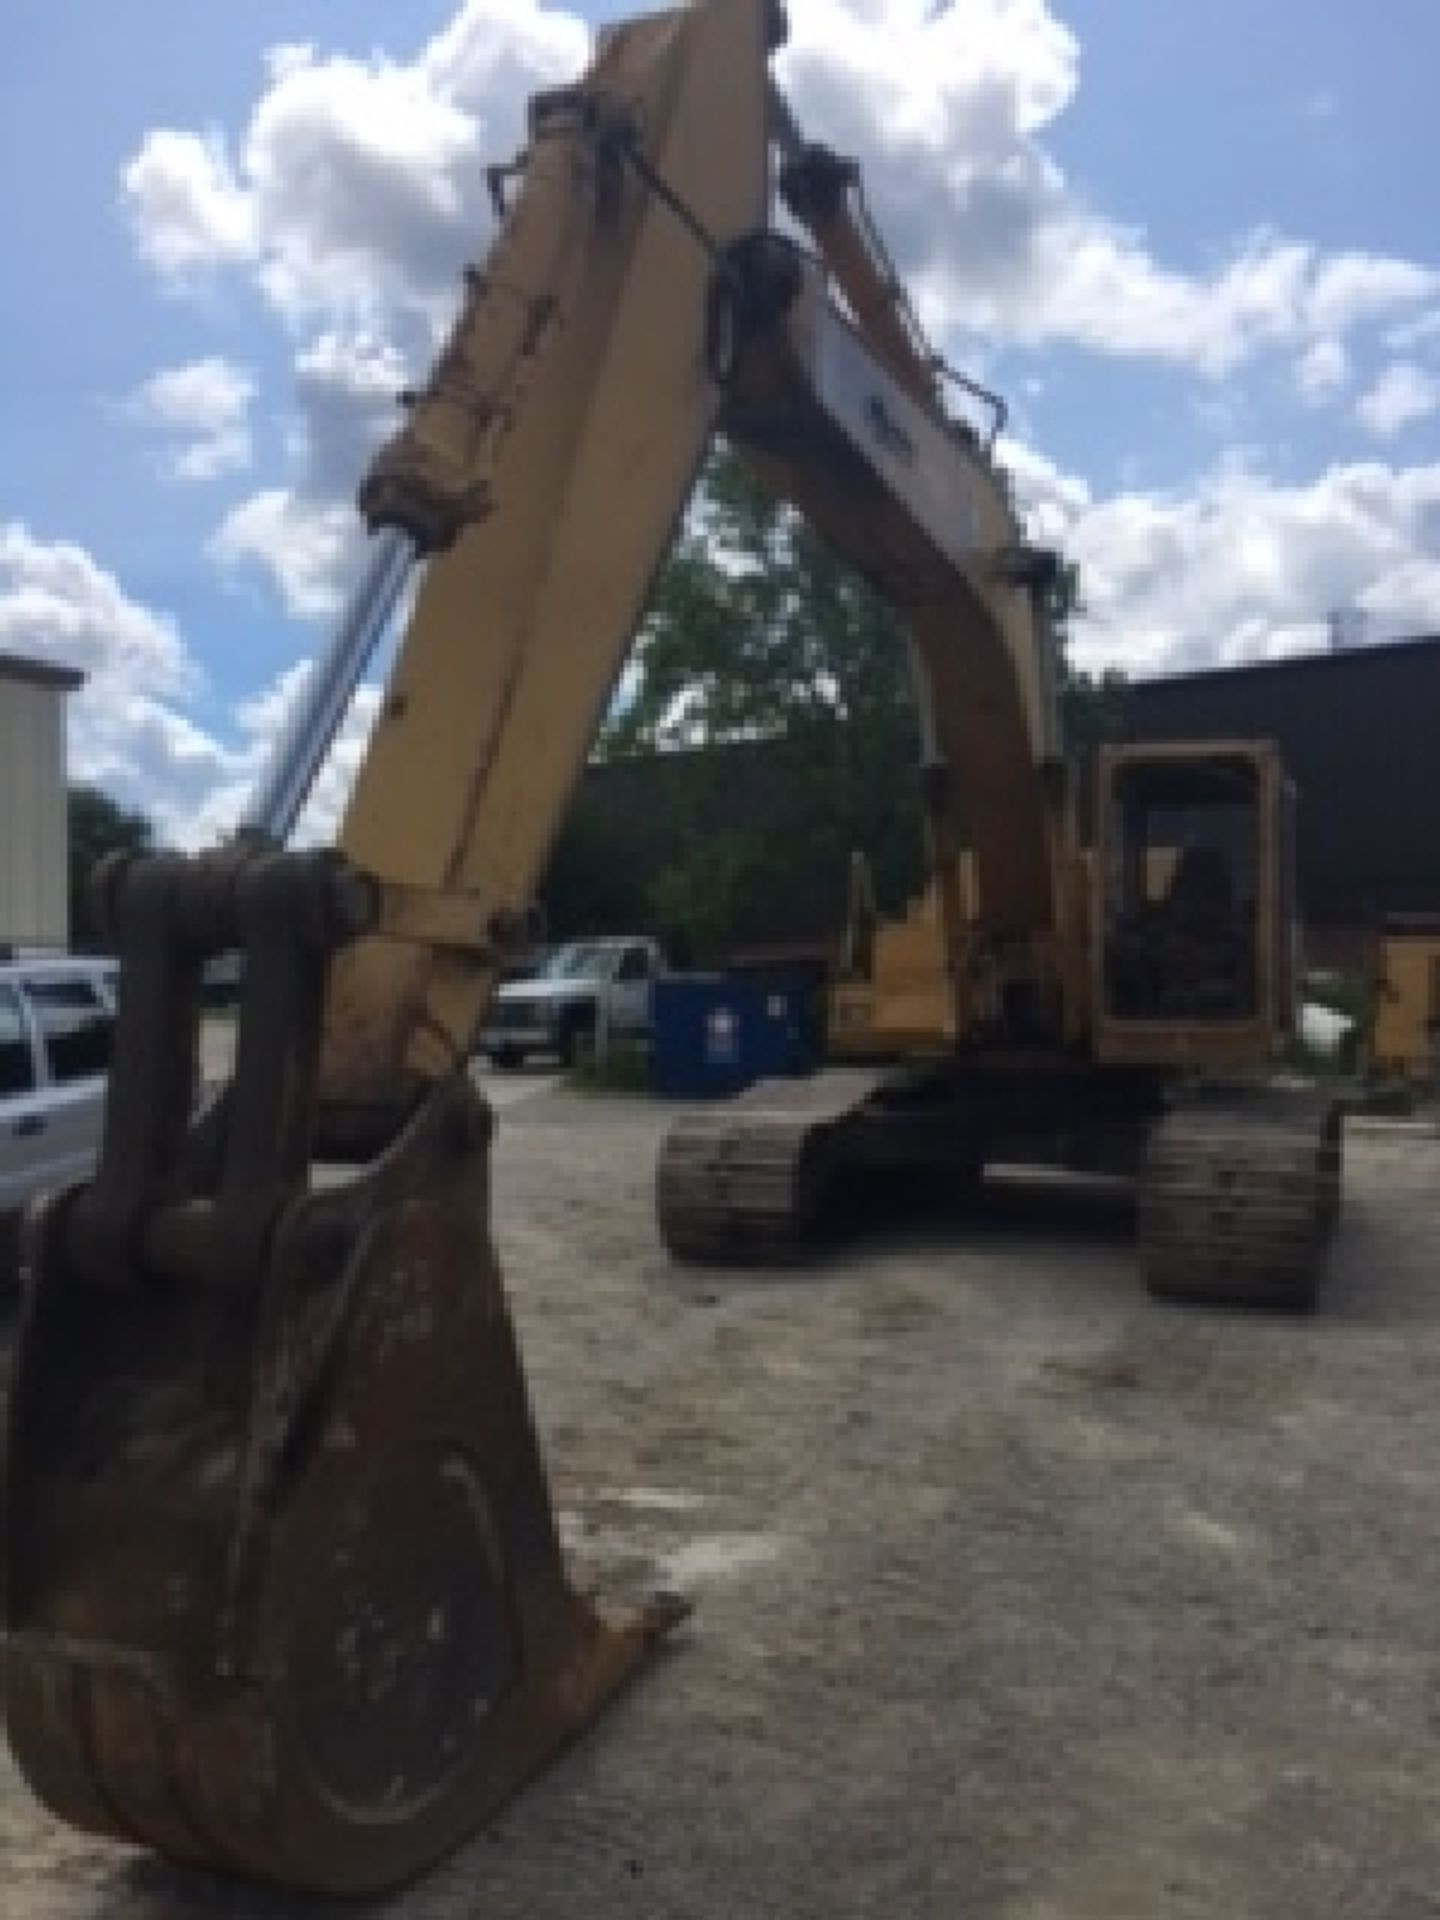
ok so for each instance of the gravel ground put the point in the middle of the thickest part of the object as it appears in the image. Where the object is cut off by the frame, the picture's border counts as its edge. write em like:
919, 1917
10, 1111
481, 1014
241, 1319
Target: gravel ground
1019, 1595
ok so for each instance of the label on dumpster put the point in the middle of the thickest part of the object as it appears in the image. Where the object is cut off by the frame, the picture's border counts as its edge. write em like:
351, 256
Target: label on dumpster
722, 1033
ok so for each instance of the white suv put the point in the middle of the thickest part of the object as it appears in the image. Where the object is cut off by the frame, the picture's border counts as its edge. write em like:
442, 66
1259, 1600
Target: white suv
57, 1028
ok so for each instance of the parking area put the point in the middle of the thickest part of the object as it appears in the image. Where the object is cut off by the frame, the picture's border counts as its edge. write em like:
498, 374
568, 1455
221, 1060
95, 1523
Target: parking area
1018, 1595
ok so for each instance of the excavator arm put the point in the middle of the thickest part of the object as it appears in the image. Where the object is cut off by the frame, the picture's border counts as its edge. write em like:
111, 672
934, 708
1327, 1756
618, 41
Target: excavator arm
543, 469
284, 1587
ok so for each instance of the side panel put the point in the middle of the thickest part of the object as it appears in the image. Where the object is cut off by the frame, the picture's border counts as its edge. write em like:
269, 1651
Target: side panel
924, 518
520, 628
23, 1148
75, 1029
34, 896
936, 479
1407, 1020
1287, 947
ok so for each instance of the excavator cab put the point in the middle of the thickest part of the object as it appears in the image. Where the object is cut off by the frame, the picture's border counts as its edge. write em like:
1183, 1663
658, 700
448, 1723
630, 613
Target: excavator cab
1192, 882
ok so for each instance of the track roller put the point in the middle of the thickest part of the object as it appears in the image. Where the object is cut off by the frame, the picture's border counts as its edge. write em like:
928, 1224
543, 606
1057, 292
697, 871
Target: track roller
752, 1182
1238, 1198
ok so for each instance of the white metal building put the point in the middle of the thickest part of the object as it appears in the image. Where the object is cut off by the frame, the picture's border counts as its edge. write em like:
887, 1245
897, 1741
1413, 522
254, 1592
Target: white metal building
34, 903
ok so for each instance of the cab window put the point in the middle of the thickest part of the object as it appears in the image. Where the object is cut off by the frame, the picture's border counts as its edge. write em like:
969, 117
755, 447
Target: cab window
1183, 866
635, 965
76, 1026
17, 1062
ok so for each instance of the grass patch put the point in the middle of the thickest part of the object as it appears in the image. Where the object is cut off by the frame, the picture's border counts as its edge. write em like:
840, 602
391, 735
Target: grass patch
1346, 994
1315, 1064
625, 1068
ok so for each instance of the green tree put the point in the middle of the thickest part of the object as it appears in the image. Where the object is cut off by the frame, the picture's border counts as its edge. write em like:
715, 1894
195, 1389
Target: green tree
1092, 706
757, 635
756, 629
700, 896
755, 632
98, 825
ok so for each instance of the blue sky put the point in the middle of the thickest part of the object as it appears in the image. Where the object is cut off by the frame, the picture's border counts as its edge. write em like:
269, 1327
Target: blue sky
1194, 245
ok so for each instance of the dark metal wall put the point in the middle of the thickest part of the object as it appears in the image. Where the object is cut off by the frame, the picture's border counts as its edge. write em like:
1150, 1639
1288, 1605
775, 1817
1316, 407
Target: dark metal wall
1360, 733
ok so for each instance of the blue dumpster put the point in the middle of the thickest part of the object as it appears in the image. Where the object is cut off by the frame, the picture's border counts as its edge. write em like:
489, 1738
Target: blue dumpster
714, 1036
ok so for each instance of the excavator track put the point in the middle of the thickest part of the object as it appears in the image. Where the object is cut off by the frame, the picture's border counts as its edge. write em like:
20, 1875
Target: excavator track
747, 1184
1238, 1197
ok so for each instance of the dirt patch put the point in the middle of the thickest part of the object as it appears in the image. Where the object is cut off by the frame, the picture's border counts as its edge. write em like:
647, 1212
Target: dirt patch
1017, 1594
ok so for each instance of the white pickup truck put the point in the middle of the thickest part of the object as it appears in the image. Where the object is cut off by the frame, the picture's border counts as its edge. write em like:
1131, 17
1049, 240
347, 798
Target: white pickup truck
57, 1027
559, 1009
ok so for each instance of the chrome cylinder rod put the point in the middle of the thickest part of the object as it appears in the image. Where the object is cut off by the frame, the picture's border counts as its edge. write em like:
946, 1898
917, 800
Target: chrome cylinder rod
319, 708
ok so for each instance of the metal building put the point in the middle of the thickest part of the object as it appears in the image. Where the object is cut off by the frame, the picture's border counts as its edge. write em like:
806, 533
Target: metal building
34, 897
1359, 730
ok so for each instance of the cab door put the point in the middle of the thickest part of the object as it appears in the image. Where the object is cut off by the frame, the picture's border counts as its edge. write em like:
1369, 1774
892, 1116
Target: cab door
630, 988
74, 1023
23, 1124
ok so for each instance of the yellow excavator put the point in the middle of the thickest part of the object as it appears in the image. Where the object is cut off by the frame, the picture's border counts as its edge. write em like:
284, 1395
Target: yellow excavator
1127, 1021
284, 1591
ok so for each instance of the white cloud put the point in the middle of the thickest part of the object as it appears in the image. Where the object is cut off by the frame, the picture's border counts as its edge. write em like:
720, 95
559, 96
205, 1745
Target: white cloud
259, 720
305, 537
1403, 394
947, 109
188, 211
306, 547
355, 189
346, 392
1050, 498
357, 175
320, 820
148, 754
1347, 289
1243, 567
203, 405
128, 731
1422, 331
57, 604
1405, 599
1321, 371
358, 186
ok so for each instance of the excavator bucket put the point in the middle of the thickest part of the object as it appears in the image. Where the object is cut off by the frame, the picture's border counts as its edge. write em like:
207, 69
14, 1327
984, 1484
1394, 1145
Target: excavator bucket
285, 1593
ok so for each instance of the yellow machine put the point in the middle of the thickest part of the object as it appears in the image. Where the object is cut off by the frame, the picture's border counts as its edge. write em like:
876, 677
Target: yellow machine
284, 1588
1125, 1026
1406, 1038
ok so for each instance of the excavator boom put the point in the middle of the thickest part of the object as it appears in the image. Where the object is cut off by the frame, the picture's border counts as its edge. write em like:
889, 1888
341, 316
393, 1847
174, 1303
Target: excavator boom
544, 468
